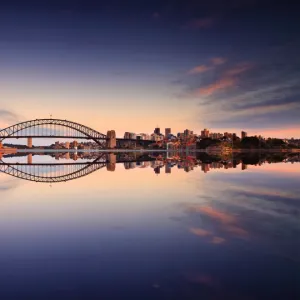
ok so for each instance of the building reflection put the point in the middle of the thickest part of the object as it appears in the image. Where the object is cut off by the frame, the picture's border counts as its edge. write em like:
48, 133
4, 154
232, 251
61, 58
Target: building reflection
156, 161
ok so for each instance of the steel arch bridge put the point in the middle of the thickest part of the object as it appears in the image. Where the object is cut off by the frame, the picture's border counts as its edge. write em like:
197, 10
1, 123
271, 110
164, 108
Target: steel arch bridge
52, 128
52, 173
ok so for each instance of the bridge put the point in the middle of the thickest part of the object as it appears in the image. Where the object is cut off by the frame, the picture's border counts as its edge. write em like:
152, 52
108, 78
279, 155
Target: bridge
62, 172
57, 128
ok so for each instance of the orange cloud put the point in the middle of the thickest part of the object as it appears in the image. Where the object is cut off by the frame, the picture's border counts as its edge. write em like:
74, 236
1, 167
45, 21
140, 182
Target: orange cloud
201, 23
218, 215
218, 60
200, 232
219, 85
241, 68
199, 69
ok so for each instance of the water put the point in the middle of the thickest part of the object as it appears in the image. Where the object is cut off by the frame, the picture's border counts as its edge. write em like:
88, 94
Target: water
176, 229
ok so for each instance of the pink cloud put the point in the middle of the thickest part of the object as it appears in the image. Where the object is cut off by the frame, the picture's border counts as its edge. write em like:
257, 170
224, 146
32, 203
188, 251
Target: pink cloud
199, 69
218, 60
200, 232
217, 240
240, 68
215, 214
219, 85
229, 223
201, 23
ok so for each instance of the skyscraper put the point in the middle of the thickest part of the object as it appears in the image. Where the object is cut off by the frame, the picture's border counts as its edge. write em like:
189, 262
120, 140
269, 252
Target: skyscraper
167, 132
167, 168
243, 134
188, 132
157, 130
205, 133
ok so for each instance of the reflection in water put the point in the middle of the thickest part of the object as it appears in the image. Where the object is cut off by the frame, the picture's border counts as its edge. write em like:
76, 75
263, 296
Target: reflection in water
227, 230
73, 165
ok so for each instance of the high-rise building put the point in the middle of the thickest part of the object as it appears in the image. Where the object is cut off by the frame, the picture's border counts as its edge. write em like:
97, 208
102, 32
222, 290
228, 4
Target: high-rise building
204, 133
132, 136
188, 132
228, 135
157, 130
167, 132
157, 137
144, 136
167, 169
243, 134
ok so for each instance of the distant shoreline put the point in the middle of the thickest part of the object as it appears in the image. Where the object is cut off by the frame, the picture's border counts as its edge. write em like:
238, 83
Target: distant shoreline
147, 150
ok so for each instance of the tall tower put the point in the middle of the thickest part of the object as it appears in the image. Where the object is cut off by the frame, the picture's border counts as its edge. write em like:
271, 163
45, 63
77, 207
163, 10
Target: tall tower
167, 132
243, 134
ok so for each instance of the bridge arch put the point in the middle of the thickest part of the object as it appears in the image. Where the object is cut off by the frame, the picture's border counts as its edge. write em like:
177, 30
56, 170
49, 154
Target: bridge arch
89, 133
32, 172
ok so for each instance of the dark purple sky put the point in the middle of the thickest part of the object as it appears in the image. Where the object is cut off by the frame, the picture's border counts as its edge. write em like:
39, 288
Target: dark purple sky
184, 64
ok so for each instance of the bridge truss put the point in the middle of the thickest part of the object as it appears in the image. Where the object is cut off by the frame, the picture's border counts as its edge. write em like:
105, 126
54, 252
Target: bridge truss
52, 173
52, 128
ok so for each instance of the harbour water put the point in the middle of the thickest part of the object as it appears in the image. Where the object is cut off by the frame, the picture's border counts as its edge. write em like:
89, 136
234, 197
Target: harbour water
149, 226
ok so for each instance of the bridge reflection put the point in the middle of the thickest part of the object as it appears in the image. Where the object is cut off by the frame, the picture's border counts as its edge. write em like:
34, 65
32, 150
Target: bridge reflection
64, 167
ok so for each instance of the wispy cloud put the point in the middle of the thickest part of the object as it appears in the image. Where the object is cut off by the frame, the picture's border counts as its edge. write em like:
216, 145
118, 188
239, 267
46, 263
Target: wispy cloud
217, 240
216, 214
200, 231
229, 223
238, 69
215, 61
228, 78
222, 84
218, 60
199, 69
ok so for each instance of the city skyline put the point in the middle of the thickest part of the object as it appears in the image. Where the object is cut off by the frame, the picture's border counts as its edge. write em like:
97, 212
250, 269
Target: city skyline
49, 132
106, 65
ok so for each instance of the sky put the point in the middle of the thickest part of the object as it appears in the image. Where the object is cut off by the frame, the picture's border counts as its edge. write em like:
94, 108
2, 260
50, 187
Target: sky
134, 65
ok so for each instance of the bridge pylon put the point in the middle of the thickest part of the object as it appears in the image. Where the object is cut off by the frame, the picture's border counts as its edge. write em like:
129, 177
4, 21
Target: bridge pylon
29, 159
111, 141
29, 142
112, 159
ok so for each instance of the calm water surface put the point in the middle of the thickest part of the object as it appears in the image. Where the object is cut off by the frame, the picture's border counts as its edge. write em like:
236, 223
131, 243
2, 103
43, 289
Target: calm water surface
151, 230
